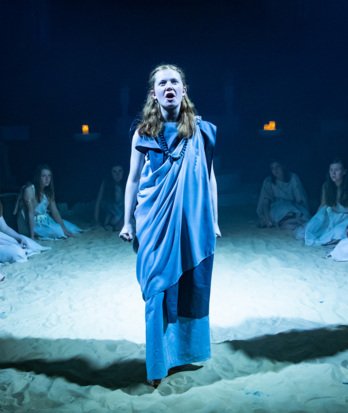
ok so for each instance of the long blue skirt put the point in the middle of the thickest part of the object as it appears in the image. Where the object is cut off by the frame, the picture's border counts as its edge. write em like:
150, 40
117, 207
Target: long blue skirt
177, 322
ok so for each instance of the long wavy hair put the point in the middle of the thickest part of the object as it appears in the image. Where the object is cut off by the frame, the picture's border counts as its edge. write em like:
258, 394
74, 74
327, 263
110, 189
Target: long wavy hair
152, 120
49, 190
333, 194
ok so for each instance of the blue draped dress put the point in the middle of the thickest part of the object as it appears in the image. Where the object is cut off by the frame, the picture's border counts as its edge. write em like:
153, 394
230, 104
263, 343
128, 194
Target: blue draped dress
175, 230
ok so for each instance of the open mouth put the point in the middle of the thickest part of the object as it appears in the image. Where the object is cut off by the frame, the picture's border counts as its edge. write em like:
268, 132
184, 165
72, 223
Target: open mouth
170, 95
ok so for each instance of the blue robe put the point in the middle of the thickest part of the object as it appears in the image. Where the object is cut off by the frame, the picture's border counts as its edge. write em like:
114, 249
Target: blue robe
175, 230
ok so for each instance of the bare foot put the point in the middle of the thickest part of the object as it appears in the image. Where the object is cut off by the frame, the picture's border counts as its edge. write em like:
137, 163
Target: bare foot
154, 383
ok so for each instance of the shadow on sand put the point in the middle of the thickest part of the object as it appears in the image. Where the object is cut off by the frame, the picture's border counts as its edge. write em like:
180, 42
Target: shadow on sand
296, 346
107, 364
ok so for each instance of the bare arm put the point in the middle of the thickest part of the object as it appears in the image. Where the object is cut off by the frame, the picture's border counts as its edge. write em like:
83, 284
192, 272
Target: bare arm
323, 197
56, 216
30, 202
264, 204
130, 198
213, 187
9, 231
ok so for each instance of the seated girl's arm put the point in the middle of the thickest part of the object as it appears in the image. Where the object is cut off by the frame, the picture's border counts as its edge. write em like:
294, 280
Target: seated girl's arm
29, 202
264, 204
56, 216
11, 232
323, 196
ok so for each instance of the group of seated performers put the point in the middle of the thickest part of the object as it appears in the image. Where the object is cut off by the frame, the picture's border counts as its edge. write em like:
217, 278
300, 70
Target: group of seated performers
283, 203
38, 216
15, 247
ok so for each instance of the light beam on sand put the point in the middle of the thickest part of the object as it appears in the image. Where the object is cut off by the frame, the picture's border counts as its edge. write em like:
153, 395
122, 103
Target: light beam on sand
264, 282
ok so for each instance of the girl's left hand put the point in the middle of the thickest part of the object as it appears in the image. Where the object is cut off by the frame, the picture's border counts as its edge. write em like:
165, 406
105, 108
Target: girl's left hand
67, 233
217, 230
23, 242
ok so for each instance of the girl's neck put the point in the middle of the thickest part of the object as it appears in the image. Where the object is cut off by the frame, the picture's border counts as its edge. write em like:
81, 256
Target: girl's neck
170, 115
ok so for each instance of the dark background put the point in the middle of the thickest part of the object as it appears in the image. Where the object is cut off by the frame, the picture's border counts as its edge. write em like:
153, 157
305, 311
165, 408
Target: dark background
65, 63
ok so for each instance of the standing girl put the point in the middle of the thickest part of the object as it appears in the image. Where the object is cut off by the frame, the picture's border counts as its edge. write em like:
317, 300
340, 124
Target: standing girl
171, 191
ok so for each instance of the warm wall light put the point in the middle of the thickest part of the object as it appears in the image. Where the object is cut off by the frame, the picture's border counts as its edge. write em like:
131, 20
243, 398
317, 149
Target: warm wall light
271, 125
85, 129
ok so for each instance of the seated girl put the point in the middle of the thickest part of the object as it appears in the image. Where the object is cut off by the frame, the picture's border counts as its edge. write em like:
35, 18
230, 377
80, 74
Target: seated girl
37, 212
109, 206
15, 247
329, 224
282, 201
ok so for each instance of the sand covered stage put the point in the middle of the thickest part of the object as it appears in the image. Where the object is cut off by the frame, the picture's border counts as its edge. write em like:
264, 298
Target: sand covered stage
72, 329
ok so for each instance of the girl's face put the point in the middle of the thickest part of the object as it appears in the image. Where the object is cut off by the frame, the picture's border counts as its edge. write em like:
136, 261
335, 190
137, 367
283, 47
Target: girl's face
117, 173
277, 171
45, 178
168, 89
337, 172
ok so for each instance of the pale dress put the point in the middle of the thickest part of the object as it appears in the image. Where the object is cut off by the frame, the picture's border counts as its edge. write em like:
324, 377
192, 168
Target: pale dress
328, 225
45, 227
12, 251
283, 203
340, 252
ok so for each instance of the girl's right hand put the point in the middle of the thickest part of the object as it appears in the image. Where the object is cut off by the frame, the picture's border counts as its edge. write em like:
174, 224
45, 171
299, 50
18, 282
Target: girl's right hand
127, 232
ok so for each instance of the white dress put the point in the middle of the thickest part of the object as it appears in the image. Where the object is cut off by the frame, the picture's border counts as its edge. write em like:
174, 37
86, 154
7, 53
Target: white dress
45, 227
327, 225
12, 251
283, 203
340, 252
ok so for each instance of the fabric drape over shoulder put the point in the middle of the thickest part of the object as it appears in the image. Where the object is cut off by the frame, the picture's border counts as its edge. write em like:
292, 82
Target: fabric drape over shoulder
175, 229
174, 234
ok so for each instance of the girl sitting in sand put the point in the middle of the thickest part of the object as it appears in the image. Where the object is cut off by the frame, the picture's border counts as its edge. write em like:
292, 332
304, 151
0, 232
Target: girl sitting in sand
109, 206
329, 224
282, 201
15, 247
37, 212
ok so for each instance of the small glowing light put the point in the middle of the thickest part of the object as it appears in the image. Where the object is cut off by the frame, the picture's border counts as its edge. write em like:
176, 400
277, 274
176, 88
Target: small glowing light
85, 129
271, 125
